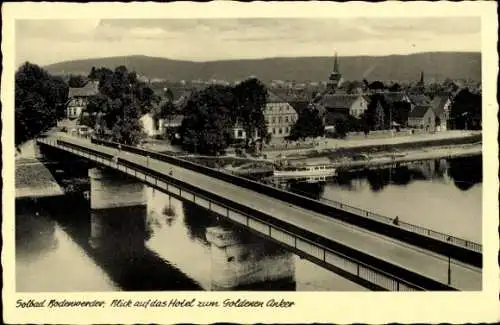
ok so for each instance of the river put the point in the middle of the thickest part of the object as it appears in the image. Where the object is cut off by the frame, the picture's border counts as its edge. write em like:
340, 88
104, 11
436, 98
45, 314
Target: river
443, 195
173, 252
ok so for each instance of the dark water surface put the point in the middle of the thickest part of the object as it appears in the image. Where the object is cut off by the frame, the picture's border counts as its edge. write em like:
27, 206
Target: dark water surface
443, 195
142, 249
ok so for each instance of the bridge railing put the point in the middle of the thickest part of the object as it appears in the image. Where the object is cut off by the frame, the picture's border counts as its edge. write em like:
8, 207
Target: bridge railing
408, 226
302, 241
458, 248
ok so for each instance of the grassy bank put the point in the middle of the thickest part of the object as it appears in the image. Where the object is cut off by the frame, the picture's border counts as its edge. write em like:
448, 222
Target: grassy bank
382, 148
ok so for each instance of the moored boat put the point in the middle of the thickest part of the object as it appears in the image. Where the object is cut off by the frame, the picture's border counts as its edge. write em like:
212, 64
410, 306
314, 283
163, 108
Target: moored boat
305, 170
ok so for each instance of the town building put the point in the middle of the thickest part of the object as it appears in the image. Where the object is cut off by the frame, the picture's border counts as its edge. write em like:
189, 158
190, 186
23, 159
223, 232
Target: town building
172, 124
279, 115
78, 99
422, 117
336, 105
151, 125
239, 133
441, 106
397, 97
417, 100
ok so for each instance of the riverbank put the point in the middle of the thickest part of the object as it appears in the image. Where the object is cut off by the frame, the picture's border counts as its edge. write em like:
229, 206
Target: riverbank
409, 156
337, 147
378, 152
358, 153
34, 180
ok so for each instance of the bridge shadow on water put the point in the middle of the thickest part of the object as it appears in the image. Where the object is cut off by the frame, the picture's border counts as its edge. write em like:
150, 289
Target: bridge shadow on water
122, 253
197, 220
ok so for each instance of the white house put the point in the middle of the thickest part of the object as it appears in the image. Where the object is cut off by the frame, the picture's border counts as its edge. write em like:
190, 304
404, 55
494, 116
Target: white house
151, 125
441, 106
280, 116
79, 98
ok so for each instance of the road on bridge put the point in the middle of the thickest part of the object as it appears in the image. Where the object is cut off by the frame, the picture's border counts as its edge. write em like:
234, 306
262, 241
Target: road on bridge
427, 263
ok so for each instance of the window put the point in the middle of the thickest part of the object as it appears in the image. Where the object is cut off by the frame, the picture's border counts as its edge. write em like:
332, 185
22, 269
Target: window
279, 130
286, 119
274, 131
279, 119
240, 133
274, 120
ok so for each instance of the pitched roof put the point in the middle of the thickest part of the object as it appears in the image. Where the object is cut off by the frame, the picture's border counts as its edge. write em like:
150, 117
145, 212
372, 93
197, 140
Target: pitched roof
175, 120
394, 96
419, 111
419, 99
338, 100
273, 98
366, 97
182, 101
90, 89
438, 103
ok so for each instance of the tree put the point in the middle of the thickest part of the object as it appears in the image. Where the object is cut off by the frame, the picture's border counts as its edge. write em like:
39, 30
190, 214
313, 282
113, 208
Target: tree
128, 129
368, 117
377, 85
395, 87
309, 124
208, 120
76, 81
39, 101
465, 112
121, 101
400, 111
341, 127
250, 98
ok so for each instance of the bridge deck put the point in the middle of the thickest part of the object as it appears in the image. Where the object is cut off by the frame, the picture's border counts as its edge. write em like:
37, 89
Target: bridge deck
418, 260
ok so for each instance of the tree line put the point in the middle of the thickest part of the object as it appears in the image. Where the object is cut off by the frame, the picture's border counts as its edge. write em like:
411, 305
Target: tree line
210, 115
39, 101
115, 111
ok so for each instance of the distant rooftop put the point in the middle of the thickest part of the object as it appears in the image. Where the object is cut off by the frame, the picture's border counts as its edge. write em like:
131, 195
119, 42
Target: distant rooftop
91, 88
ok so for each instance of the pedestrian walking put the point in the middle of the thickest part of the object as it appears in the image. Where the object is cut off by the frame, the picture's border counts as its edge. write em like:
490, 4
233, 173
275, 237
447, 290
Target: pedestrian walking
396, 221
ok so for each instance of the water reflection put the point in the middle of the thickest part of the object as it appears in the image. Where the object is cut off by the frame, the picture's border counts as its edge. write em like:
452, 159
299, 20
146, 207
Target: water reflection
161, 247
466, 172
444, 194
35, 232
240, 261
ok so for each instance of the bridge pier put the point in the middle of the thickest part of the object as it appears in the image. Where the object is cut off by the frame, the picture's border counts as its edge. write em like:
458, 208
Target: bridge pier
118, 208
239, 263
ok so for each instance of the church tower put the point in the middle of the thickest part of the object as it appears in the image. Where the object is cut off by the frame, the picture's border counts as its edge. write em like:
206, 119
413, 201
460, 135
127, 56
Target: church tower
335, 76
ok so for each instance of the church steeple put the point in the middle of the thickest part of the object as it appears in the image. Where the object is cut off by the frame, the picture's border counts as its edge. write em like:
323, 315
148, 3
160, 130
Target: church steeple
336, 64
421, 78
335, 76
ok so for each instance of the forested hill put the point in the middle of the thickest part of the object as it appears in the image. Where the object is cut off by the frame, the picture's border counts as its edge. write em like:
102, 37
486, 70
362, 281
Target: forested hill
435, 65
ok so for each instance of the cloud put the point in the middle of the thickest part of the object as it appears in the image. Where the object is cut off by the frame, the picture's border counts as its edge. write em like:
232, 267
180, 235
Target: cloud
56, 28
211, 39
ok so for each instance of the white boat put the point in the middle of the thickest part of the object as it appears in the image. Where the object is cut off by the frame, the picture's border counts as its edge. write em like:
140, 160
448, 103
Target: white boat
309, 173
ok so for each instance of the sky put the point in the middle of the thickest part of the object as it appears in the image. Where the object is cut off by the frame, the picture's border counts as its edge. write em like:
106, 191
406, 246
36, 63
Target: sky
46, 41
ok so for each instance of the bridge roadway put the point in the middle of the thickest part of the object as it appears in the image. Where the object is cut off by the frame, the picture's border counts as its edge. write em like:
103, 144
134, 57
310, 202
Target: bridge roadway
420, 261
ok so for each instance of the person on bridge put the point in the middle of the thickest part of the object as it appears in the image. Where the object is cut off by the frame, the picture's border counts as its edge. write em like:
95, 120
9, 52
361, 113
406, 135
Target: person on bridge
396, 221
115, 158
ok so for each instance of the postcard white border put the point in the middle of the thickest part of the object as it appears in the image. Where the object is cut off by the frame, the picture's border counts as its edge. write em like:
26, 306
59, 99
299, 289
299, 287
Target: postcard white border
310, 306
